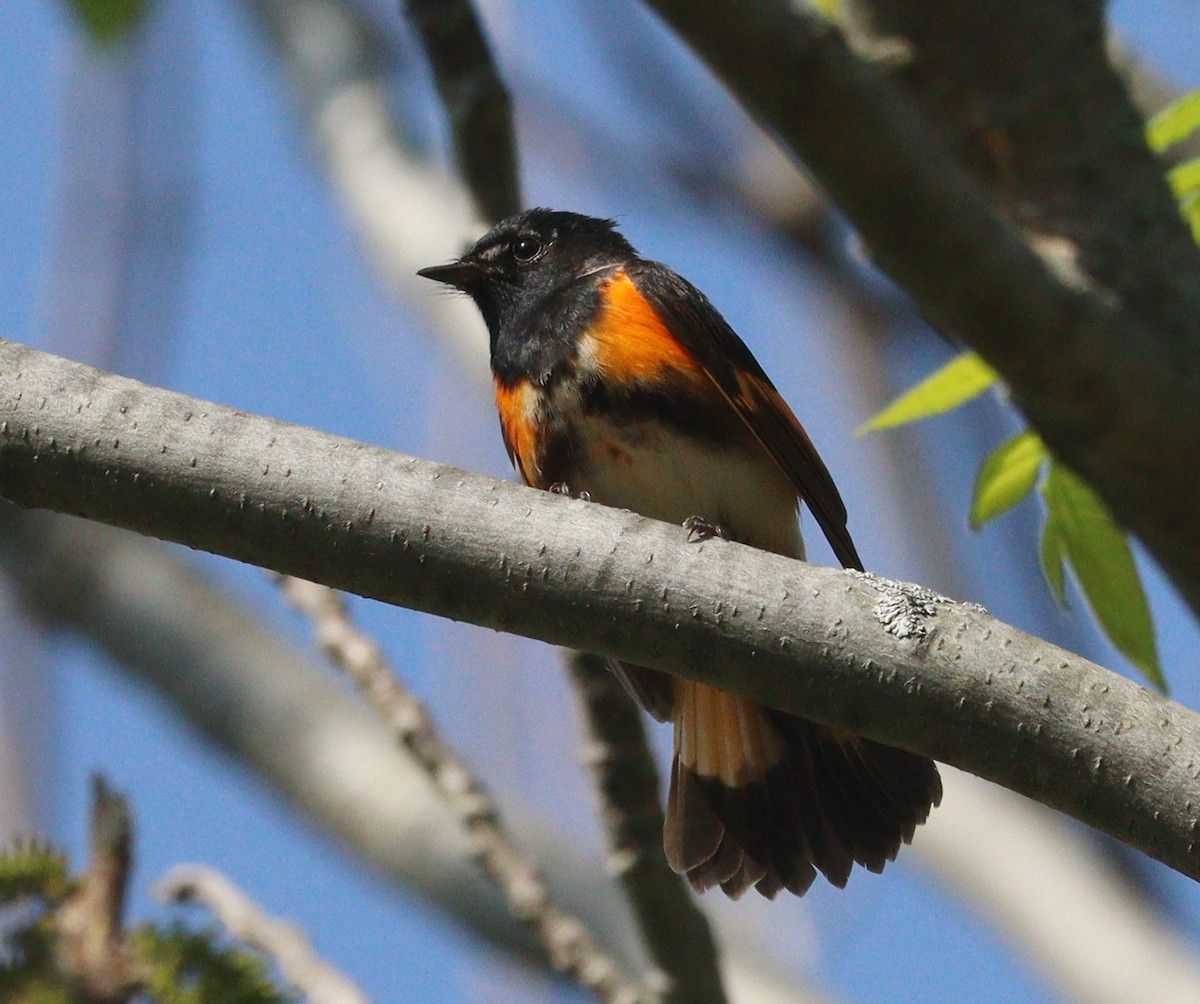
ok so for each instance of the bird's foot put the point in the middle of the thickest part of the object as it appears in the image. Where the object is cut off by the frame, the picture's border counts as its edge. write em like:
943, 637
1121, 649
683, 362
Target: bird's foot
699, 528
562, 488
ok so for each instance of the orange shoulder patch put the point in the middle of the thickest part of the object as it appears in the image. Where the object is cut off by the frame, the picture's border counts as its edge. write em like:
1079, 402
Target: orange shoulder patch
518, 407
630, 342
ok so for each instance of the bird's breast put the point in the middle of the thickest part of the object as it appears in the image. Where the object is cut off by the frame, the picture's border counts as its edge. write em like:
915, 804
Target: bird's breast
652, 468
632, 418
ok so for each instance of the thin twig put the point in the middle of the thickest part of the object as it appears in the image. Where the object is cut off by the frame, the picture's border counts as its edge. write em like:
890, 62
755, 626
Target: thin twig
285, 943
675, 931
476, 101
569, 947
90, 949
233, 680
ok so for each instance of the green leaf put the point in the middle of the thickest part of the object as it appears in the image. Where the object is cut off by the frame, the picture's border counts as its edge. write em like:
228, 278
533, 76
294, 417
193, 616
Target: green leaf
827, 7
31, 868
964, 377
1006, 477
109, 21
188, 967
1079, 526
1185, 178
1052, 561
1175, 122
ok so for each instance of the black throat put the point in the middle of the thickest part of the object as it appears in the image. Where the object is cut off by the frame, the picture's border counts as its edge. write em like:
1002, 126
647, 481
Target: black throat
539, 337
541, 274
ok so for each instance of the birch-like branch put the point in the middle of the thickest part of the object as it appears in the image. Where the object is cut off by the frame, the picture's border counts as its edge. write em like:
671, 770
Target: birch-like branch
893, 662
568, 946
286, 944
1097, 378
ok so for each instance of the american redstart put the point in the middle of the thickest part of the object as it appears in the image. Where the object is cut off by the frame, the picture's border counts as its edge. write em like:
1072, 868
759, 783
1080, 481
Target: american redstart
617, 378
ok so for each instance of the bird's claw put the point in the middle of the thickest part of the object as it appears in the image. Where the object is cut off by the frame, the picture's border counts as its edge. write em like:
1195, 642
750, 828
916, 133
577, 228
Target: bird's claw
699, 528
562, 488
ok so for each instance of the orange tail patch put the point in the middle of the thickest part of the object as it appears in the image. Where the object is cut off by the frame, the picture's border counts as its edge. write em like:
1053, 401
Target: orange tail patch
763, 799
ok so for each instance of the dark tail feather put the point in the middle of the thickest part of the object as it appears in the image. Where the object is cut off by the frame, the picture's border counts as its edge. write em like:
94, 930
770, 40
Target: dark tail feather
873, 796
653, 690
761, 799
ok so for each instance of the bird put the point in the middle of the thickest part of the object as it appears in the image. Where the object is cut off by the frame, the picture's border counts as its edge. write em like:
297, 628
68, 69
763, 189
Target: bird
617, 380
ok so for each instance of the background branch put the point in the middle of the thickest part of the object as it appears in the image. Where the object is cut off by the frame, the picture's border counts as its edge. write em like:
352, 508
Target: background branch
1085, 177
615, 748
945, 680
262, 701
568, 946
1041, 882
475, 99
405, 210
284, 943
90, 951
1096, 377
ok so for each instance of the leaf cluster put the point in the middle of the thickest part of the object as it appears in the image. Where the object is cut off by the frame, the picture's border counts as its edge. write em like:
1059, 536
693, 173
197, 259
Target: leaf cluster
1174, 124
1078, 529
197, 967
175, 965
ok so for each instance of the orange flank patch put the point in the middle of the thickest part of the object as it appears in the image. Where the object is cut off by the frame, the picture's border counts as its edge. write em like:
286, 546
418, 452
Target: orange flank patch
629, 342
518, 404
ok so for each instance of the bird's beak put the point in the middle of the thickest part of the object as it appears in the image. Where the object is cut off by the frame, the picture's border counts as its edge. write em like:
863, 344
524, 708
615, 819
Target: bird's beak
460, 274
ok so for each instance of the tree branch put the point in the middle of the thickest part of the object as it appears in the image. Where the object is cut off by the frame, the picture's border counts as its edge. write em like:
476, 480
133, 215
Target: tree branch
286, 944
1096, 378
898, 664
1053, 139
476, 101
566, 942
405, 211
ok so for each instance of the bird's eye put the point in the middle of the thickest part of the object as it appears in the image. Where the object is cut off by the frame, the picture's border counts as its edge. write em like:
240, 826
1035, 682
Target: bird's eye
525, 249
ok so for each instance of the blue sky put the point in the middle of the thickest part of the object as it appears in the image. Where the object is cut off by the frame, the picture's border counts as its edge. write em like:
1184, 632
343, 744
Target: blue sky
280, 315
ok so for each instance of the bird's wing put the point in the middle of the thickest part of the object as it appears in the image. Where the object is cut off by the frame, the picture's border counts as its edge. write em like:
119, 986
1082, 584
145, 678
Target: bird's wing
699, 326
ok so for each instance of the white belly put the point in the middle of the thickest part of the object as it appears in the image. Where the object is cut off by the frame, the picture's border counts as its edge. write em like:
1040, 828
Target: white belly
650, 469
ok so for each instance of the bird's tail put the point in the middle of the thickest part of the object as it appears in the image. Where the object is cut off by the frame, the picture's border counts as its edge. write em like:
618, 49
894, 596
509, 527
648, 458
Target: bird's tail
759, 798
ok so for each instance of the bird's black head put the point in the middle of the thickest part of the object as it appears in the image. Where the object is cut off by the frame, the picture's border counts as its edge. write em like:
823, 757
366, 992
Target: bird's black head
522, 260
